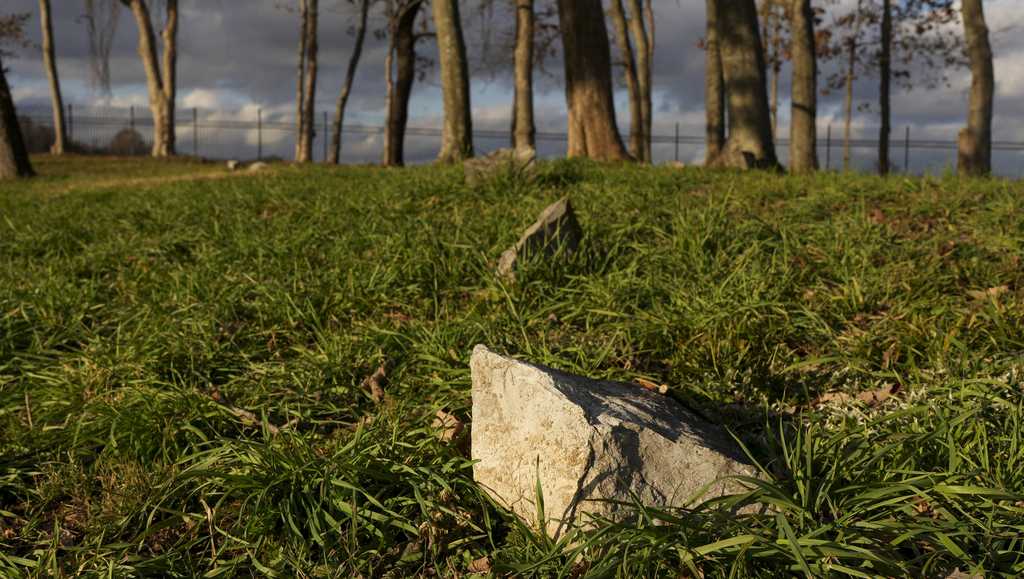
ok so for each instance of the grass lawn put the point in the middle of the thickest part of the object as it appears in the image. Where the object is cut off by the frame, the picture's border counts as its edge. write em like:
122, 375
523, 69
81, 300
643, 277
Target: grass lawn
182, 353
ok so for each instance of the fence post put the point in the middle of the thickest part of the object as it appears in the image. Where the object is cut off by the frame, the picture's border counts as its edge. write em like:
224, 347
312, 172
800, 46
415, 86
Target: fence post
195, 132
676, 141
259, 134
131, 117
325, 136
906, 151
828, 147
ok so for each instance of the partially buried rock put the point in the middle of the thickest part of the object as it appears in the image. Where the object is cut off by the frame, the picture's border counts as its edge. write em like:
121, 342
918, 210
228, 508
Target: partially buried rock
556, 230
515, 163
589, 444
257, 166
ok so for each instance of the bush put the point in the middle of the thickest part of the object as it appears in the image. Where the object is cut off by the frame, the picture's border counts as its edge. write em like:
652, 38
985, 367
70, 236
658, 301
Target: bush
128, 142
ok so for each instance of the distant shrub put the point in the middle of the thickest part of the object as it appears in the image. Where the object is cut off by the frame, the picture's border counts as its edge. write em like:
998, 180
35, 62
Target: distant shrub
128, 142
38, 138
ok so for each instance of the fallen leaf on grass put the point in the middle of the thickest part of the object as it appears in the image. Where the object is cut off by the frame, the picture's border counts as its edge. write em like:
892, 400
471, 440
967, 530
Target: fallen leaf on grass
652, 386
870, 397
448, 425
992, 292
480, 566
375, 384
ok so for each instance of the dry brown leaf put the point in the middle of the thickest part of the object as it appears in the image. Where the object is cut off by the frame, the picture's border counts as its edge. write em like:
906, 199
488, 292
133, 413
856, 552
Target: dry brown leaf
449, 427
877, 216
992, 292
480, 566
375, 384
652, 386
958, 574
870, 397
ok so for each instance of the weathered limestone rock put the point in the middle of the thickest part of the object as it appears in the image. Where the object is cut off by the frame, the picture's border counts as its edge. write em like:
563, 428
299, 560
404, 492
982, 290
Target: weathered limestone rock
517, 163
587, 440
257, 166
232, 165
556, 229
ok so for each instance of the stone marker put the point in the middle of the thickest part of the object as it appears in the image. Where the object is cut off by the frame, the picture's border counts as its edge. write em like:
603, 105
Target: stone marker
232, 165
257, 166
556, 228
514, 162
586, 439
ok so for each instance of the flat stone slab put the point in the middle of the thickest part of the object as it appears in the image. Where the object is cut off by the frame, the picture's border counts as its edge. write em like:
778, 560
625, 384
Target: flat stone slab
587, 440
556, 229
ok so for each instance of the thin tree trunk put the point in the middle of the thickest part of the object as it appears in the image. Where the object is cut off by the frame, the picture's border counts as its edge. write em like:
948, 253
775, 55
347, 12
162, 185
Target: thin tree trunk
304, 154
851, 71
398, 107
300, 81
714, 87
649, 90
161, 86
643, 74
885, 67
636, 123
588, 83
50, 63
14, 161
750, 140
524, 132
346, 88
457, 134
389, 84
975, 148
774, 98
803, 132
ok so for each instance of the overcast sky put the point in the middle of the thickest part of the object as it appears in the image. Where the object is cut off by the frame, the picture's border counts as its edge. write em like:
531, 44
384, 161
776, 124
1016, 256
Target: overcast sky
239, 56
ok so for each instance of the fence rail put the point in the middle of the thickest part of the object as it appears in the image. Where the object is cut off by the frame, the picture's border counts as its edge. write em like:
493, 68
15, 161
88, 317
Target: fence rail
215, 134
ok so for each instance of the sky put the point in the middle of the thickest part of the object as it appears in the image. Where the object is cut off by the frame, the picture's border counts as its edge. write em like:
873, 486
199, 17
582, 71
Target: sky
237, 60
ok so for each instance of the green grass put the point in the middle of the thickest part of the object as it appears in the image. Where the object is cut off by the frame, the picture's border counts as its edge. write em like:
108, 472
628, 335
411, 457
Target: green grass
139, 305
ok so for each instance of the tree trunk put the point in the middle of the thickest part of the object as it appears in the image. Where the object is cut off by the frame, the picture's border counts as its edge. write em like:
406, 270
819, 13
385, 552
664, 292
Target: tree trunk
773, 103
457, 134
524, 132
649, 98
644, 51
803, 131
636, 122
346, 89
300, 81
975, 154
750, 131
304, 154
14, 161
714, 87
160, 85
50, 63
885, 68
398, 105
588, 83
851, 71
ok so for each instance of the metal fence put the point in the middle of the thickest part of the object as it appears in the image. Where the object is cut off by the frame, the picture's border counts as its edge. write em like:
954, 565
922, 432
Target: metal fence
257, 134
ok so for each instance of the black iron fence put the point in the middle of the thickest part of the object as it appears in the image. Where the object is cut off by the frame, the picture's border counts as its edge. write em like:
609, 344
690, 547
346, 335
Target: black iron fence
257, 134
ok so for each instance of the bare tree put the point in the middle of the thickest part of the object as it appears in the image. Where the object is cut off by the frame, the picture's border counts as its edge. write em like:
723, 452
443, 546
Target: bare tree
803, 148
643, 40
629, 71
588, 84
975, 147
884, 87
714, 87
750, 131
306, 83
776, 48
161, 81
457, 134
101, 19
524, 132
14, 161
350, 75
400, 65
50, 64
